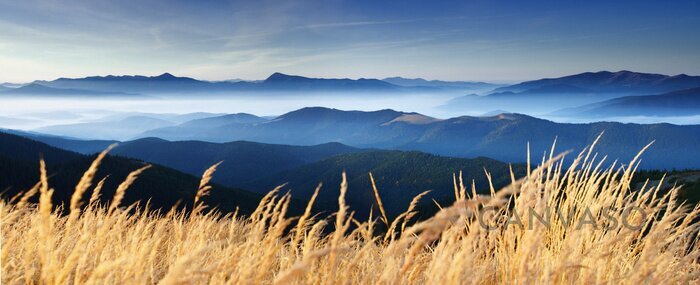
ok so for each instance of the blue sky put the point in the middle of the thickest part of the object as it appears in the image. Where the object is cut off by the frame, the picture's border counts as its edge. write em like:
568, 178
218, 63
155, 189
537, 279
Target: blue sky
455, 40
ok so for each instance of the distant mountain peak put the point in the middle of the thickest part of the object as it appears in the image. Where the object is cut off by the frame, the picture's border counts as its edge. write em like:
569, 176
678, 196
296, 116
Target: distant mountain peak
165, 75
421, 82
494, 113
509, 116
413, 119
41, 89
558, 88
623, 81
35, 86
316, 109
172, 84
682, 75
684, 102
323, 113
278, 76
503, 117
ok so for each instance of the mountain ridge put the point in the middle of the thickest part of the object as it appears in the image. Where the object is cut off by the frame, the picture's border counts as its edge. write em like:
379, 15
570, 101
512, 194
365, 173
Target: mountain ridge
242, 160
276, 82
503, 137
544, 96
602, 81
36, 89
161, 186
107, 130
620, 81
399, 176
676, 103
463, 85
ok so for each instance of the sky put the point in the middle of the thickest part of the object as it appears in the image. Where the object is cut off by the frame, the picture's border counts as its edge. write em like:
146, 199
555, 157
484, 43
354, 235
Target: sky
491, 40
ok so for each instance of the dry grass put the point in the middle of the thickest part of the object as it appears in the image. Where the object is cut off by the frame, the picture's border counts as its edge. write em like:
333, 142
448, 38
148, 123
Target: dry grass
105, 244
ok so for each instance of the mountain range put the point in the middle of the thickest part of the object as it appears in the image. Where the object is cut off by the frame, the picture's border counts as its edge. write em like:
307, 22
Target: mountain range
35, 89
206, 129
627, 82
613, 82
122, 125
554, 94
138, 85
242, 161
503, 137
280, 81
407, 152
167, 83
399, 177
536, 97
302, 127
163, 187
174, 118
259, 167
107, 130
472, 86
86, 147
676, 103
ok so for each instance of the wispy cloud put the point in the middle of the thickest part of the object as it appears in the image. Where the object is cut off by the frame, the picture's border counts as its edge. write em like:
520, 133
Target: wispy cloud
357, 24
237, 38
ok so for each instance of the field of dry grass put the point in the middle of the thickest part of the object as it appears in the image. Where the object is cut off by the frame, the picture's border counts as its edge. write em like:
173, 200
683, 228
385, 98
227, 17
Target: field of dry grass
476, 240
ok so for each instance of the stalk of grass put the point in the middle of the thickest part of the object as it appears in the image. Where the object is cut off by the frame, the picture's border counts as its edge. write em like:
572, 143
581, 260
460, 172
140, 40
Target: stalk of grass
86, 180
95, 195
121, 189
204, 186
379, 200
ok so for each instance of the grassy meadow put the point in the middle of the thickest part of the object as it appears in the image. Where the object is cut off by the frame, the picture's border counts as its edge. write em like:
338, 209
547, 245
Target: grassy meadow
475, 240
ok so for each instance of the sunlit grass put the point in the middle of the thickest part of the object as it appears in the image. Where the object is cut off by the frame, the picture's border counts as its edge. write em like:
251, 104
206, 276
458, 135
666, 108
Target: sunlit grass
109, 244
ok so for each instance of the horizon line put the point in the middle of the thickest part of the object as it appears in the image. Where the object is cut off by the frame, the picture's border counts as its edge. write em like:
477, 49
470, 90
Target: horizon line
351, 78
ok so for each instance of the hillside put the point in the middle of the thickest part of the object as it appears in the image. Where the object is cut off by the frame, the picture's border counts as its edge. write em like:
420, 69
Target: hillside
65, 143
307, 126
689, 180
503, 137
399, 176
242, 161
177, 118
506, 136
301, 127
206, 129
261, 167
614, 82
552, 94
122, 129
543, 91
164, 187
677, 103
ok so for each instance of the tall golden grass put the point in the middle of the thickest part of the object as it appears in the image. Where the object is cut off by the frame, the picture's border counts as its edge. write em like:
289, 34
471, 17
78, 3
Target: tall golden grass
109, 244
